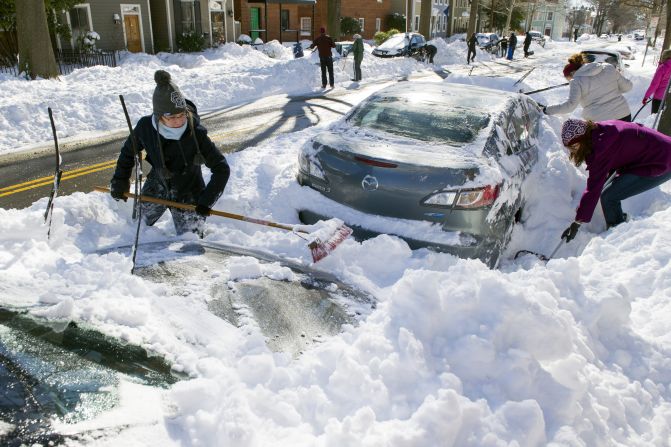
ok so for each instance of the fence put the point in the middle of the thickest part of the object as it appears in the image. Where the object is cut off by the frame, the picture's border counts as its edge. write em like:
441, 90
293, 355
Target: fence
70, 60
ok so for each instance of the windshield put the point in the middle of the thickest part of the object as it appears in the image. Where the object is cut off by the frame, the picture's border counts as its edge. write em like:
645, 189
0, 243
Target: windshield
425, 119
395, 41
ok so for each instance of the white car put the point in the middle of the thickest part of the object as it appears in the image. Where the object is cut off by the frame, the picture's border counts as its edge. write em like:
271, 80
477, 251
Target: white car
639, 35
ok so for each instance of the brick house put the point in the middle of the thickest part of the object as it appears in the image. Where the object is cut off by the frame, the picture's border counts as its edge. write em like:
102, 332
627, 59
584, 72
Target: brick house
292, 20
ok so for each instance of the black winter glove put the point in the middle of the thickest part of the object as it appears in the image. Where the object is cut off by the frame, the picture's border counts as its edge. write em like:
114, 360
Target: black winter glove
545, 112
118, 188
570, 232
202, 210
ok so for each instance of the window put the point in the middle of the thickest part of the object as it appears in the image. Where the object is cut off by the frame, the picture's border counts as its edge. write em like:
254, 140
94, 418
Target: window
361, 22
378, 24
445, 24
537, 16
79, 21
284, 19
306, 26
550, 15
415, 26
188, 16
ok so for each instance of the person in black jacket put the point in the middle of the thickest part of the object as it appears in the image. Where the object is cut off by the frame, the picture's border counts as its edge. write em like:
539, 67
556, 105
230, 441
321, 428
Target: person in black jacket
324, 43
527, 43
472, 42
503, 44
512, 43
175, 144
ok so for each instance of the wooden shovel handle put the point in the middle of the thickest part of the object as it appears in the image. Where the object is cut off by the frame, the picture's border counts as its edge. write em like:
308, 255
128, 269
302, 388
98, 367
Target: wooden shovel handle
185, 206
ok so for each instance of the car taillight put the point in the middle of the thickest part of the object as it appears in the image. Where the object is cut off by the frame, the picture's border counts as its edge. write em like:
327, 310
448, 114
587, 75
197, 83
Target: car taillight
310, 165
477, 198
470, 198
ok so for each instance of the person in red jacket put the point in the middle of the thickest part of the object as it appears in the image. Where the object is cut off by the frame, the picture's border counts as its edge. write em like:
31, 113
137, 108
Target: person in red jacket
659, 81
622, 160
324, 43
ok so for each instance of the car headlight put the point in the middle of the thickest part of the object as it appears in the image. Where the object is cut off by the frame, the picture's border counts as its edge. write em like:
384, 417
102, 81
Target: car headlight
470, 198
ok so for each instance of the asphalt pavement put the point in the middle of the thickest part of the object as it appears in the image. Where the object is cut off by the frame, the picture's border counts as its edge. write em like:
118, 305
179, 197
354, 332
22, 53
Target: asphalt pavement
28, 176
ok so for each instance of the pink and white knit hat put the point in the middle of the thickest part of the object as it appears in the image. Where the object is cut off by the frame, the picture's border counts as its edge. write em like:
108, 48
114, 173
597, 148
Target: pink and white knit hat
572, 131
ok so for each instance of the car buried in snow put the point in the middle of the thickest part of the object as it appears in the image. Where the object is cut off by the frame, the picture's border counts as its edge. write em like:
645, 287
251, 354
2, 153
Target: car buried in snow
402, 44
439, 158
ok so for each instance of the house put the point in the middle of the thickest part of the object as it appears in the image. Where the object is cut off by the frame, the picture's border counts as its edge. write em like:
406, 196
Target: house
148, 26
548, 17
293, 20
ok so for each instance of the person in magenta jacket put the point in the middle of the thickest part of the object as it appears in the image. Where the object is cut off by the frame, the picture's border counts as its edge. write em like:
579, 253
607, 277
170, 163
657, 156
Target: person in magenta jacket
622, 160
659, 81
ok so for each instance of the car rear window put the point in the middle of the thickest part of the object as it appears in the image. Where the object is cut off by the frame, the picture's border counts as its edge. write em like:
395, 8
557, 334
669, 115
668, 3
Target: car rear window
430, 121
396, 41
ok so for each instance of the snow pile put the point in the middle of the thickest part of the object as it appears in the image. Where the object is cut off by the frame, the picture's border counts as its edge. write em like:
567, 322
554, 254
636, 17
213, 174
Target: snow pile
572, 352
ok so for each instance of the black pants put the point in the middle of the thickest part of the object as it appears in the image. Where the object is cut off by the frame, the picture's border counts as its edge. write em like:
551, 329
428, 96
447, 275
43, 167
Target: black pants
326, 63
655, 105
357, 69
184, 221
468, 57
526, 51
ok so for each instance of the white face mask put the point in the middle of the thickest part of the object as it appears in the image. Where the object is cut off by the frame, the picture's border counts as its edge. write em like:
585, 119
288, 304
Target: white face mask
171, 133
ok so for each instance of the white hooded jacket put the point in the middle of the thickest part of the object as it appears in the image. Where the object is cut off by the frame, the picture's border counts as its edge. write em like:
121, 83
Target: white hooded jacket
598, 87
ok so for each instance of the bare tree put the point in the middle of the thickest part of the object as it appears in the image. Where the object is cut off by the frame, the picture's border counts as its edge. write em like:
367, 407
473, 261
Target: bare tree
510, 14
472, 17
36, 55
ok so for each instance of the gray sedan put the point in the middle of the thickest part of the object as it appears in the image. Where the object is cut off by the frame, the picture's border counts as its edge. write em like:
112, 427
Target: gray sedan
446, 156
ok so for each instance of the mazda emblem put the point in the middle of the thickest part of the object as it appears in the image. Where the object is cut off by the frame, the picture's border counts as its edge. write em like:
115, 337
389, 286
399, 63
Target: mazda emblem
369, 183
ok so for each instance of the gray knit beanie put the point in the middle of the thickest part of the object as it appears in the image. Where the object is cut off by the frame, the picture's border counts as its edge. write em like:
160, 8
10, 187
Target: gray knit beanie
168, 99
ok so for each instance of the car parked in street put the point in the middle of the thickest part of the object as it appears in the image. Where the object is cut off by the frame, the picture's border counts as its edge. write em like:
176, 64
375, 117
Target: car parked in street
537, 37
452, 156
639, 35
488, 42
402, 44
612, 57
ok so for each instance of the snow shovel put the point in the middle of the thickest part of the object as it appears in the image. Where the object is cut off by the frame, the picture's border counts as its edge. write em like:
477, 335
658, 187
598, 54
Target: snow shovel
544, 89
639, 110
318, 249
540, 256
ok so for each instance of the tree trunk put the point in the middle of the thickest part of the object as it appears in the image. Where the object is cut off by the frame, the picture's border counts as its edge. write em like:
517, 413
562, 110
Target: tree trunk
510, 15
667, 34
425, 19
664, 125
333, 19
410, 17
36, 55
472, 17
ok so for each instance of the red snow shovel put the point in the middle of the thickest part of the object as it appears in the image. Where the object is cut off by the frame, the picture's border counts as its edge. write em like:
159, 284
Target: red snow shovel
319, 250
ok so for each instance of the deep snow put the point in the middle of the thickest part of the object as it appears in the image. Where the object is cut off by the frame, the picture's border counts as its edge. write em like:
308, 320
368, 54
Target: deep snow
573, 352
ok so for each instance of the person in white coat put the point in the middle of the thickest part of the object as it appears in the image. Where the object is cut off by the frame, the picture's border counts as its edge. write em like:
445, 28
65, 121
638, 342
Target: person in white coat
597, 87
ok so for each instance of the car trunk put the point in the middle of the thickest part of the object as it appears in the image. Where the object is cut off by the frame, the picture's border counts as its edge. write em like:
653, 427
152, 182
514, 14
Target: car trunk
387, 187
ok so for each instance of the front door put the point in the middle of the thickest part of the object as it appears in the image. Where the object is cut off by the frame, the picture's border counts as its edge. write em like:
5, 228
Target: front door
132, 28
254, 20
218, 20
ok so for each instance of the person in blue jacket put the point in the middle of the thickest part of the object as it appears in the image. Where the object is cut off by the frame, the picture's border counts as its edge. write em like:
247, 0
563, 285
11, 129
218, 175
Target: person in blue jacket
175, 144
